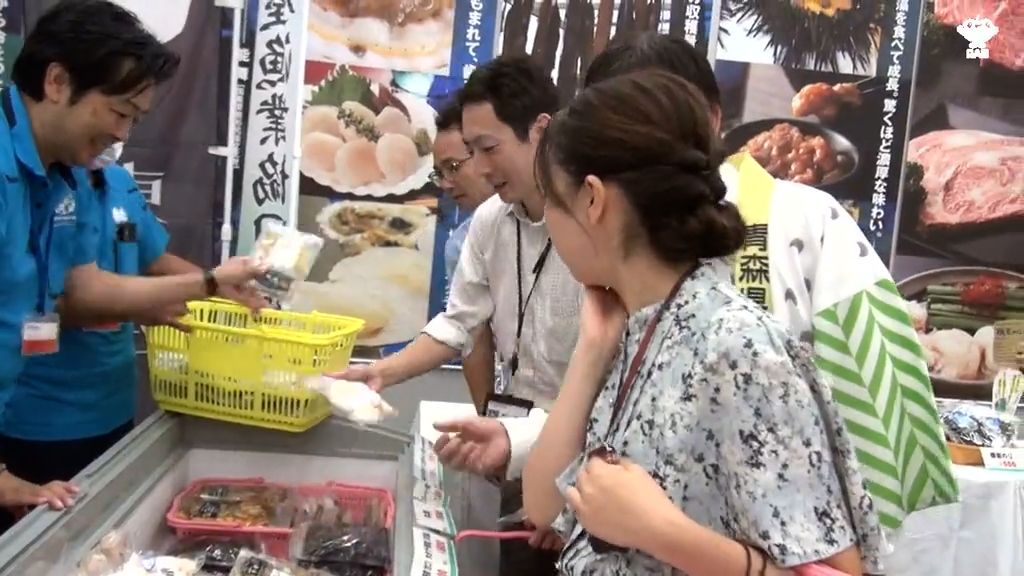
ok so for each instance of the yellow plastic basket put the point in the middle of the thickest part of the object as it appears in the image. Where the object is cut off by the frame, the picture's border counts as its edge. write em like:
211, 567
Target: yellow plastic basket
247, 369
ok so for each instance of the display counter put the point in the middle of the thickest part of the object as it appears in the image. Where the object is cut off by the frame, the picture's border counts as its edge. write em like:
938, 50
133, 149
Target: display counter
133, 484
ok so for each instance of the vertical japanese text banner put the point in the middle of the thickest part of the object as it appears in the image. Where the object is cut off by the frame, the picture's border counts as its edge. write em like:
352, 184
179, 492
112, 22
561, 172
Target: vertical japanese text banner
475, 25
272, 118
896, 58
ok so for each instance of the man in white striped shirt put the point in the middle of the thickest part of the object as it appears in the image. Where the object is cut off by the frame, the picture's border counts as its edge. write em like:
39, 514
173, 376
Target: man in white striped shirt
508, 275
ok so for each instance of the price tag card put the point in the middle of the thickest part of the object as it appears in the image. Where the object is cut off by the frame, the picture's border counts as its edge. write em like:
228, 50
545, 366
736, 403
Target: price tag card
426, 466
429, 494
432, 554
1009, 338
433, 516
1010, 459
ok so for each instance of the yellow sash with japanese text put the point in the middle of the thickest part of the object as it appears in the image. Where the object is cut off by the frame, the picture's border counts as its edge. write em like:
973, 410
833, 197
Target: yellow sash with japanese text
750, 269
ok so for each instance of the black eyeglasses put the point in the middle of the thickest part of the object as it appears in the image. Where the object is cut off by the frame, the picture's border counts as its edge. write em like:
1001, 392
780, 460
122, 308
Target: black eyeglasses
449, 170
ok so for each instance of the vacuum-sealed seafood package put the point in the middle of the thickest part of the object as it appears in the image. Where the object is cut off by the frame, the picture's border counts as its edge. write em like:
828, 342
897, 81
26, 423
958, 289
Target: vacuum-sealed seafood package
342, 540
289, 256
250, 506
214, 554
252, 564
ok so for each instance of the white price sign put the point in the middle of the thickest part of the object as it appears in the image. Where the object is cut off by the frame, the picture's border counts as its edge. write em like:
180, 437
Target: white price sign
429, 494
433, 555
426, 466
1011, 459
433, 516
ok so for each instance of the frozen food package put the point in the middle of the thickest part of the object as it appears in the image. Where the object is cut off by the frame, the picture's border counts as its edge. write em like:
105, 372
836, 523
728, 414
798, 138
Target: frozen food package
111, 553
289, 256
252, 564
146, 565
214, 554
319, 509
251, 506
975, 425
348, 569
354, 401
325, 546
242, 493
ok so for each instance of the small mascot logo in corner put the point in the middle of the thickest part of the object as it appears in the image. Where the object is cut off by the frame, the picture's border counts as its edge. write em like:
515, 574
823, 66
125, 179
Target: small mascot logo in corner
978, 31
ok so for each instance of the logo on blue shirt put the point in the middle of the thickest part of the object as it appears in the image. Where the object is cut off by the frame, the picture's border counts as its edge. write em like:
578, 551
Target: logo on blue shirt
64, 213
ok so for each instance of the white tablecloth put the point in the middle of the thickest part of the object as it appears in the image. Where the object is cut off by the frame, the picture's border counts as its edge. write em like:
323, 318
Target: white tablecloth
982, 535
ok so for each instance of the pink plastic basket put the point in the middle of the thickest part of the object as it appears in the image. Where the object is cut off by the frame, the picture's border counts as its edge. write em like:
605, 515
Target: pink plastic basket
275, 540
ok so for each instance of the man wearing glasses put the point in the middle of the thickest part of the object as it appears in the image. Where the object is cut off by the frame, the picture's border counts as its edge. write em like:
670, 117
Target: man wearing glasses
458, 177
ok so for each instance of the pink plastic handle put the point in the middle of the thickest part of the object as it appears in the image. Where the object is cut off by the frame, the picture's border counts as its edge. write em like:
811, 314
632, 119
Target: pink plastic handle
520, 535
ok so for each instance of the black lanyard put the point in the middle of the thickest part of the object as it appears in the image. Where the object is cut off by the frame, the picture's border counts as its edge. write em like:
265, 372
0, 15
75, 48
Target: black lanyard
627, 379
521, 306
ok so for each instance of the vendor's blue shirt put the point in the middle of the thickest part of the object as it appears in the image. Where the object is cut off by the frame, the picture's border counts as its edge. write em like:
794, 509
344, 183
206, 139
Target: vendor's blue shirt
49, 222
89, 387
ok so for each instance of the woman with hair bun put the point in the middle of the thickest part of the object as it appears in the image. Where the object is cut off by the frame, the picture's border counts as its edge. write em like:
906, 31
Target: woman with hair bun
692, 435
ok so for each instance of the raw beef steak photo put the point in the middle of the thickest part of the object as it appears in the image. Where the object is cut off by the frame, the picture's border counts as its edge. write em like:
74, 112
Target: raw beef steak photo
970, 177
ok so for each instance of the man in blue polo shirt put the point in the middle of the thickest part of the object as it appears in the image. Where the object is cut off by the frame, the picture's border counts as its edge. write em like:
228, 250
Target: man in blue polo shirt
85, 74
53, 429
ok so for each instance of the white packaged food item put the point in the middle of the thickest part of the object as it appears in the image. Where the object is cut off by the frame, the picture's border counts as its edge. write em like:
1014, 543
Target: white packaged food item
353, 401
109, 556
144, 565
289, 255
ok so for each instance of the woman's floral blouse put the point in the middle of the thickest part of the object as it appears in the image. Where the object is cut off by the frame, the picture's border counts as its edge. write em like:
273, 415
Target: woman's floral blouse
729, 414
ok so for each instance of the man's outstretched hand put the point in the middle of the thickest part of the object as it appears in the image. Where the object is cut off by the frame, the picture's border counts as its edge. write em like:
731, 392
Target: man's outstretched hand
479, 445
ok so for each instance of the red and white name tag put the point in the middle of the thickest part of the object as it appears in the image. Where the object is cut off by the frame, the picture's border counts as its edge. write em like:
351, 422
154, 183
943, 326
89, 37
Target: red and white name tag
40, 335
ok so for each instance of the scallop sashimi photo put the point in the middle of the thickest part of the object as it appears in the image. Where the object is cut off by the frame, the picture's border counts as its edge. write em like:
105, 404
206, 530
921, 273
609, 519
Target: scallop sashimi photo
362, 138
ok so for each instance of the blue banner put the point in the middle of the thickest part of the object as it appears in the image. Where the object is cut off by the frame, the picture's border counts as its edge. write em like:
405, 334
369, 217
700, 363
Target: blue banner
475, 38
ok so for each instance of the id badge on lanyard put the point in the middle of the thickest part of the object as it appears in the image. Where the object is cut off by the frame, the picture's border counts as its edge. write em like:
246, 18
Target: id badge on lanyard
505, 406
40, 335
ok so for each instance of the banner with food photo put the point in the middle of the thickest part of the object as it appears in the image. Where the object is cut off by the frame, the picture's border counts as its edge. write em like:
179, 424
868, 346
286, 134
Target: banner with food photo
433, 36
367, 136
818, 92
958, 259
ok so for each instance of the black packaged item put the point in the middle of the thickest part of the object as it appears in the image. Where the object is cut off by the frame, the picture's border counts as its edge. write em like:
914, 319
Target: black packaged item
323, 546
980, 426
214, 554
344, 569
250, 564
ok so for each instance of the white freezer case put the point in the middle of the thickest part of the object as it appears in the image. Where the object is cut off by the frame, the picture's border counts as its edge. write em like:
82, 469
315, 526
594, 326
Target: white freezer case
132, 486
